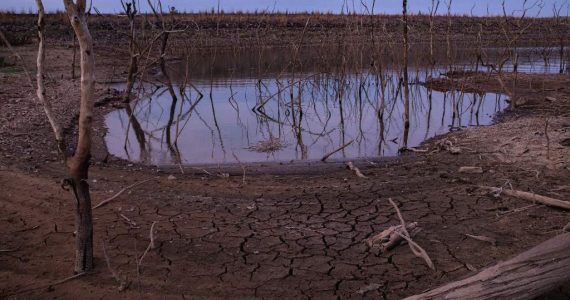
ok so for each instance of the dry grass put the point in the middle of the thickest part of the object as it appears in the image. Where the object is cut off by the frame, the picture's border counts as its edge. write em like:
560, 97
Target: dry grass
268, 146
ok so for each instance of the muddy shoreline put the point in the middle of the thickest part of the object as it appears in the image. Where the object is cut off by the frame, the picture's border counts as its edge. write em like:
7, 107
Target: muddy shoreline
291, 231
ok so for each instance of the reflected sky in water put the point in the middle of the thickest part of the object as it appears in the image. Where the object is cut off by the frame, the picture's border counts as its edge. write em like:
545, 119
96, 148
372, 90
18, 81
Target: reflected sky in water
226, 122
302, 116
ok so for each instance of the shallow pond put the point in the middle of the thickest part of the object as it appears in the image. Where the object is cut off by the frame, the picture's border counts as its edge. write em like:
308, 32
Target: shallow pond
293, 116
229, 123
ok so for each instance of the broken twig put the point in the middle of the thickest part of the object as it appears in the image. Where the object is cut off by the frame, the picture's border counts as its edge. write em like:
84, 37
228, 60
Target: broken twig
492, 241
150, 244
106, 201
391, 237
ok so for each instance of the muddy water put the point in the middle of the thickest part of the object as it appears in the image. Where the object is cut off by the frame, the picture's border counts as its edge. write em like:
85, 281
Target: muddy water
288, 116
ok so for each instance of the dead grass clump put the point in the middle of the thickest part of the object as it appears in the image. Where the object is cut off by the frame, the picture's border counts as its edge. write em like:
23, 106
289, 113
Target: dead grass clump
268, 146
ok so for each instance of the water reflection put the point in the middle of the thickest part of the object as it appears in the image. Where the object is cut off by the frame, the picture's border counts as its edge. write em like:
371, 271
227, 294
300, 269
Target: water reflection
291, 117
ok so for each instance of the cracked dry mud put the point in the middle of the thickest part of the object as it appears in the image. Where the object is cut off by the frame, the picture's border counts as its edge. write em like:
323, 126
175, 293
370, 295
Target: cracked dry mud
293, 232
285, 237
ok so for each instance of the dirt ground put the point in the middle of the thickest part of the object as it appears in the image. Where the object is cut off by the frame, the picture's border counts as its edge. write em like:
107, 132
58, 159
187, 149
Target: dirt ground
292, 231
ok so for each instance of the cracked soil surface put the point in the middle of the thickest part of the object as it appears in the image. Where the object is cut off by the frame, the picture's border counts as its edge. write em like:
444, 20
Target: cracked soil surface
290, 232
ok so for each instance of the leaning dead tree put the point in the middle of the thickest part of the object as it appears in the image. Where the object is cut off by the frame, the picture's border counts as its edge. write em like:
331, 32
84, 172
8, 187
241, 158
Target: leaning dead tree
77, 163
527, 276
41, 90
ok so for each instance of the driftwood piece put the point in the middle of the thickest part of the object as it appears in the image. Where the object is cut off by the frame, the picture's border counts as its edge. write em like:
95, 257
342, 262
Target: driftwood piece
414, 150
526, 276
392, 237
416, 249
530, 197
354, 169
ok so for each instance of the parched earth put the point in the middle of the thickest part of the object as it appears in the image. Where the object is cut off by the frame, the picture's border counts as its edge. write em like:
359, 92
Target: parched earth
293, 231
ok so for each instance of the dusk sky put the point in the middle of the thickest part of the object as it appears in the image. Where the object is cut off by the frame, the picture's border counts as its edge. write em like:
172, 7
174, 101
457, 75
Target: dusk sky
384, 6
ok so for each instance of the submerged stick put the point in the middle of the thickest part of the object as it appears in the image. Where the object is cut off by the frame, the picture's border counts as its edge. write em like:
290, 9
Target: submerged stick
336, 151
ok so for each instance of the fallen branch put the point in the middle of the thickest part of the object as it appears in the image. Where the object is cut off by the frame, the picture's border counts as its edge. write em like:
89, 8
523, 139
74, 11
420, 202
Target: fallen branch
416, 249
414, 150
492, 241
530, 197
526, 276
392, 237
356, 170
129, 221
106, 201
150, 244
336, 151
517, 210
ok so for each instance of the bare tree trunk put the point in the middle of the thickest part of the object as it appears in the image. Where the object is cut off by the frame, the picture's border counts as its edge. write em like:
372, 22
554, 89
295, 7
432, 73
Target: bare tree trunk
74, 46
527, 276
406, 80
78, 164
83, 216
41, 91
131, 12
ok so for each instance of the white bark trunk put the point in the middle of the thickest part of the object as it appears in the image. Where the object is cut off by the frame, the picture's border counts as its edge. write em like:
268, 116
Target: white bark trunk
527, 276
78, 164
